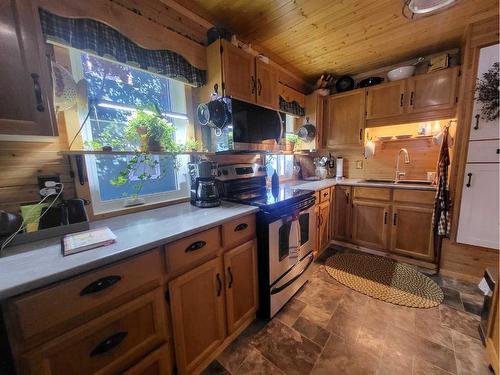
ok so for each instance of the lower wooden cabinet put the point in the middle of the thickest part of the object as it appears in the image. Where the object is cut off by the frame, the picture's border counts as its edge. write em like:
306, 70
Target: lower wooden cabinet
241, 284
156, 363
341, 225
323, 226
370, 223
198, 314
411, 232
106, 345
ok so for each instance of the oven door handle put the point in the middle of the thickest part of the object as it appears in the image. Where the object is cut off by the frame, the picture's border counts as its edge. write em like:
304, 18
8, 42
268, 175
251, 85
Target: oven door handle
293, 279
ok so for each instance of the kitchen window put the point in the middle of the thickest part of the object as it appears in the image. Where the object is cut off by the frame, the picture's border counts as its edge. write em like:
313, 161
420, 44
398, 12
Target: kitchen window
115, 92
282, 164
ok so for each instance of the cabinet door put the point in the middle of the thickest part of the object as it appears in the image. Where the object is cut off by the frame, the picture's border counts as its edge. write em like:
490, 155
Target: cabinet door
324, 224
482, 128
25, 102
342, 213
346, 118
478, 223
198, 314
411, 232
433, 91
240, 265
385, 100
267, 85
239, 73
370, 221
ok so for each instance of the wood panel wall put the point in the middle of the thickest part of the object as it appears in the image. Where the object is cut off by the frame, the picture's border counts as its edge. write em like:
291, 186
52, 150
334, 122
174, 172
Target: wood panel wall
22, 162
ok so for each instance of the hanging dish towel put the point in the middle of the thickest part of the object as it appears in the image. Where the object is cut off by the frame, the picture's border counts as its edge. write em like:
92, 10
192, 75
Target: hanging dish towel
294, 240
441, 217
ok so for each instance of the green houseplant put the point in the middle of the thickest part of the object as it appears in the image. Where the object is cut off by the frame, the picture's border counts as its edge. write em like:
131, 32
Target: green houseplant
292, 141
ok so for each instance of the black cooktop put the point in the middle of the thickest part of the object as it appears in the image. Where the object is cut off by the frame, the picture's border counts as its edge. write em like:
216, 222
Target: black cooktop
270, 199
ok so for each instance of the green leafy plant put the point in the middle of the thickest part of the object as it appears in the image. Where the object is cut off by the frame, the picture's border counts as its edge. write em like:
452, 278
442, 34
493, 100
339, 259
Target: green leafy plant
192, 145
293, 138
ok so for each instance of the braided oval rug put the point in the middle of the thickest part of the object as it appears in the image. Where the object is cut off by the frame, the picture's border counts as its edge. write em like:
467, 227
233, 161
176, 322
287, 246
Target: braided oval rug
384, 279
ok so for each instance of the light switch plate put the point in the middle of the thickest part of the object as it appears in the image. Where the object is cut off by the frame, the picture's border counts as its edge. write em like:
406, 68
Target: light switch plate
359, 164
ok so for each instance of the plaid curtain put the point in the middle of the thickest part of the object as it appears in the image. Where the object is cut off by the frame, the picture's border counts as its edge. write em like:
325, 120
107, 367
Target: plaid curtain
291, 107
102, 40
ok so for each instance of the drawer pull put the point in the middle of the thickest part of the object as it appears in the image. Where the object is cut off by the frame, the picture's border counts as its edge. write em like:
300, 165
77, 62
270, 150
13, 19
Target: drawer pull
469, 180
230, 284
99, 285
219, 285
38, 92
385, 217
241, 226
498, 150
195, 246
109, 344
476, 127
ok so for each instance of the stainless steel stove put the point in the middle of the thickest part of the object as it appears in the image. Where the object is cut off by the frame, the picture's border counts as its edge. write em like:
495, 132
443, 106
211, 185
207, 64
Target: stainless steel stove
286, 229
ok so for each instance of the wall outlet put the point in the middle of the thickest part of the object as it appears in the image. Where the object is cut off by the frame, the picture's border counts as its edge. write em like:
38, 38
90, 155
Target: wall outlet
43, 179
359, 164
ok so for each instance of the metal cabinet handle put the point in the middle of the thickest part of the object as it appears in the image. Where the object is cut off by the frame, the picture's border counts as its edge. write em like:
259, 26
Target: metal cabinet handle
347, 197
469, 180
498, 150
195, 246
38, 92
109, 344
411, 98
100, 285
259, 85
385, 217
241, 226
394, 219
252, 84
230, 283
476, 127
219, 285
401, 100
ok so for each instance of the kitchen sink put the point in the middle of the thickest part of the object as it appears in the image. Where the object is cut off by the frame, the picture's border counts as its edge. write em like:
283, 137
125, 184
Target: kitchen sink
405, 182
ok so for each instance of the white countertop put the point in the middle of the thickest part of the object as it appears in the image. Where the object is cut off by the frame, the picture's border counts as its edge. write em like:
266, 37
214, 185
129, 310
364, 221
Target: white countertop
329, 182
30, 266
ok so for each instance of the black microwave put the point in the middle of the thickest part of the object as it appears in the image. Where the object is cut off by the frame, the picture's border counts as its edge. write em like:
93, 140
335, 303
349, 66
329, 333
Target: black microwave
248, 128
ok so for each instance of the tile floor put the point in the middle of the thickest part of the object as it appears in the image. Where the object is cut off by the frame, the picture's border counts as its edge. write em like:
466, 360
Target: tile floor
330, 329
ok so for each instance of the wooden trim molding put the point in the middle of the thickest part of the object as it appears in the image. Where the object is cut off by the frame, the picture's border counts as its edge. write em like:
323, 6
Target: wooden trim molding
137, 28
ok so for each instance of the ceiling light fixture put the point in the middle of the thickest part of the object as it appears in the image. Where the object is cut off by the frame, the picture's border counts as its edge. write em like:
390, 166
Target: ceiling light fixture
426, 7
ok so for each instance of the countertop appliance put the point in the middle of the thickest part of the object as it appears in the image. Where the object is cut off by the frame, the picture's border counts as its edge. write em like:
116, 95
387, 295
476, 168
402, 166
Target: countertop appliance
204, 191
246, 127
285, 232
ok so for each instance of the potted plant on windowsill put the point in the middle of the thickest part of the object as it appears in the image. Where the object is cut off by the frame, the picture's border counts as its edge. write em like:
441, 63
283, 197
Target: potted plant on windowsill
154, 133
292, 142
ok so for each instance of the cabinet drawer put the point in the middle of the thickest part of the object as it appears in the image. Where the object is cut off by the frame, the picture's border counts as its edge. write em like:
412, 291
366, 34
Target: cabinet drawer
156, 363
324, 195
81, 298
191, 251
484, 151
108, 344
414, 196
372, 193
238, 231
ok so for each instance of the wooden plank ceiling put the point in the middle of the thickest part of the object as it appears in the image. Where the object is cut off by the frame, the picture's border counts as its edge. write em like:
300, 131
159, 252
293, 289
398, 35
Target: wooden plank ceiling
341, 36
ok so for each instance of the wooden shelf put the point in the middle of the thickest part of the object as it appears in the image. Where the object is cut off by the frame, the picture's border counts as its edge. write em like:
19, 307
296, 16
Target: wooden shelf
90, 152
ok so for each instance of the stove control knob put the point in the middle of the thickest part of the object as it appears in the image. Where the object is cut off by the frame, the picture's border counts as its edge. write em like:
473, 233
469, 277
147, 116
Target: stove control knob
218, 173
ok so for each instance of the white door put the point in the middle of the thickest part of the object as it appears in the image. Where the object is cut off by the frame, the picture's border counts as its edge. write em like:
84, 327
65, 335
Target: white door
479, 211
480, 128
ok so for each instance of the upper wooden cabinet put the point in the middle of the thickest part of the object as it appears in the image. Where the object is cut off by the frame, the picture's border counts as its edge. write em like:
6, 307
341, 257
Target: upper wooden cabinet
25, 98
385, 100
346, 119
432, 92
238, 70
316, 114
241, 75
424, 97
267, 85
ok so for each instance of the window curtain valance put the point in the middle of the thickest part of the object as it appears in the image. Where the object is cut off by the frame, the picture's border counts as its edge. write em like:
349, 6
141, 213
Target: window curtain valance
102, 40
291, 107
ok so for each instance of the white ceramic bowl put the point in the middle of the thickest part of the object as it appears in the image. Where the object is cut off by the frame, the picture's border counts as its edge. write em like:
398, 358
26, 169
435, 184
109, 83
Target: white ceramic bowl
401, 73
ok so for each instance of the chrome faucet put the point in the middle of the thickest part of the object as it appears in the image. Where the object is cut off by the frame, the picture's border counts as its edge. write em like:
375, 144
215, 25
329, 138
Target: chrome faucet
398, 173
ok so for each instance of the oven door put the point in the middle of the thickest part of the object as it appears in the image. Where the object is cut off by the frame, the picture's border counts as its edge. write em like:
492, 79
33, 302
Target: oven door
281, 239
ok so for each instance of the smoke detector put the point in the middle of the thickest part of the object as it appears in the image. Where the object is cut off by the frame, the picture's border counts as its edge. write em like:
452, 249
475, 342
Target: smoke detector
427, 7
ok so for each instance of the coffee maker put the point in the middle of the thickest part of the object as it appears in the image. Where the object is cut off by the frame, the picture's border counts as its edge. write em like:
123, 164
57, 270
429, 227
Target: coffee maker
204, 191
